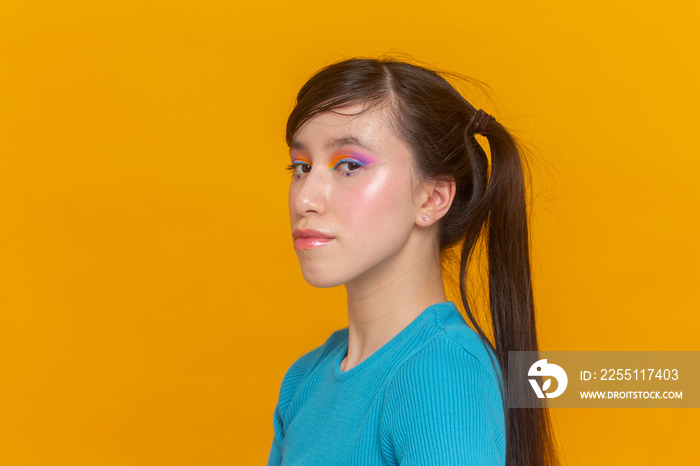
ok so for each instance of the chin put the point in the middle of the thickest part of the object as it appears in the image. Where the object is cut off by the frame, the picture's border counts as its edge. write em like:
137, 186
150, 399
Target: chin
321, 273
319, 279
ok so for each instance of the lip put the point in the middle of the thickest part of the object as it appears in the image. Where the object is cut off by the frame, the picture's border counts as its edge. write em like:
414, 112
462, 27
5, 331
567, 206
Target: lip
306, 239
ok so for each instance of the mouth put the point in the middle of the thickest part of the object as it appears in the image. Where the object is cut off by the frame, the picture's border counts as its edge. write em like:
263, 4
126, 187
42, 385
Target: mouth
307, 239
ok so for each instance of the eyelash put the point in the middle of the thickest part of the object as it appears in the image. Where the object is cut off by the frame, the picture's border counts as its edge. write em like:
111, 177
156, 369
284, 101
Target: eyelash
350, 162
292, 167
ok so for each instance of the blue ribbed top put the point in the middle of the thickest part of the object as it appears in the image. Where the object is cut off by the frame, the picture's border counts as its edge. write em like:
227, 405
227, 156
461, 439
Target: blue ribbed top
429, 396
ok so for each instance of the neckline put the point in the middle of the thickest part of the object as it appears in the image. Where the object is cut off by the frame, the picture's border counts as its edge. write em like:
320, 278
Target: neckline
344, 375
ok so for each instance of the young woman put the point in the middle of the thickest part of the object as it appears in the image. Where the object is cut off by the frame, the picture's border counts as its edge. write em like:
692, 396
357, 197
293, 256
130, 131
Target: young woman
387, 179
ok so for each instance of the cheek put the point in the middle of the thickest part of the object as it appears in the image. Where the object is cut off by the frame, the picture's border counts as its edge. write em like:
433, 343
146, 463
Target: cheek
378, 203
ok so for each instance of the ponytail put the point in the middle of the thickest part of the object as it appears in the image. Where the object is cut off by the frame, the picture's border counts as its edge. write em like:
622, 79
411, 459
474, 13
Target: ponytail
502, 206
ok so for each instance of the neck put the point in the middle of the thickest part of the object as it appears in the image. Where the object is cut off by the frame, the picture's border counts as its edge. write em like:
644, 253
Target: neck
388, 299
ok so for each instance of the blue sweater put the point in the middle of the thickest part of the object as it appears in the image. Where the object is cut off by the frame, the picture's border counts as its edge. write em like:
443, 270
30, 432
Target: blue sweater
430, 396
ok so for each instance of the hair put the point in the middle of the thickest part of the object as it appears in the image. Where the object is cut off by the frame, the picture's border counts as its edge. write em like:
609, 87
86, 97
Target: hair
437, 124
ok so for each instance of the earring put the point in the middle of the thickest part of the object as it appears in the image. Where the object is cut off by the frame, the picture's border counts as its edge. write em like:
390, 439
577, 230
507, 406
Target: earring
426, 217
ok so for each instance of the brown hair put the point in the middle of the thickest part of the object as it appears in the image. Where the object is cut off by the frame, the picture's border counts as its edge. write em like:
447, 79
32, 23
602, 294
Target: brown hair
436, 122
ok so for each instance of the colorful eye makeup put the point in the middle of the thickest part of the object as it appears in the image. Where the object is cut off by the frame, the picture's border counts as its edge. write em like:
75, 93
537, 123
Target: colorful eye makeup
296, 157
337, 160
298, 162
350, 157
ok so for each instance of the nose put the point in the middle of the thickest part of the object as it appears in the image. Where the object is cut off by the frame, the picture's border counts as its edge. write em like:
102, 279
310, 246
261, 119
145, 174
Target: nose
309, 194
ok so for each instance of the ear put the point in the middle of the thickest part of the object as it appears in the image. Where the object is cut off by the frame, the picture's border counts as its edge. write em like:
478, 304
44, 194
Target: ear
437, 201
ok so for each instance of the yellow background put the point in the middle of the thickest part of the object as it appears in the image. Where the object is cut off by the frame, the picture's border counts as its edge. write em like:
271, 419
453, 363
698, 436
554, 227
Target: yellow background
150, 298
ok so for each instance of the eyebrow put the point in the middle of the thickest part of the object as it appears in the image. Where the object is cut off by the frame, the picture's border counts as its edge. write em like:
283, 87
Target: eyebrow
336, 144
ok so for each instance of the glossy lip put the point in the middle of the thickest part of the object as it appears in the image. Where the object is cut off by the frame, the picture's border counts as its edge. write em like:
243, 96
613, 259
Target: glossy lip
306, 239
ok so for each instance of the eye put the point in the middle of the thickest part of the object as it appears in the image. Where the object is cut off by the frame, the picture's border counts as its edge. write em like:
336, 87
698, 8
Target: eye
347, 166
299, 168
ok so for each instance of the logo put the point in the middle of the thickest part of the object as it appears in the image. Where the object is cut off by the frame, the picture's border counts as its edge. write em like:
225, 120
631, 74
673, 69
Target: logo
542, 369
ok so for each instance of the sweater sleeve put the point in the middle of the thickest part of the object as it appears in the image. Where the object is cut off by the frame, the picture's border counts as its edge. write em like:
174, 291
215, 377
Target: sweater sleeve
443, 407
289, 385
292, 378
275, 456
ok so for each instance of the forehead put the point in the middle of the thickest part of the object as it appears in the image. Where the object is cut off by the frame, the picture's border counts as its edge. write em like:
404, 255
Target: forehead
348, 126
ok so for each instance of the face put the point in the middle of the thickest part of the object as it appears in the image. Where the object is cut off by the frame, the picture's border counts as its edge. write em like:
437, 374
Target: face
353, 183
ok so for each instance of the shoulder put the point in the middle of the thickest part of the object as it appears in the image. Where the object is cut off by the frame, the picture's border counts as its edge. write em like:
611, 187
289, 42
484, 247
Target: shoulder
444, 403
298, 370
294, 376
450, 344
464, 341
449, 357
310, 358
